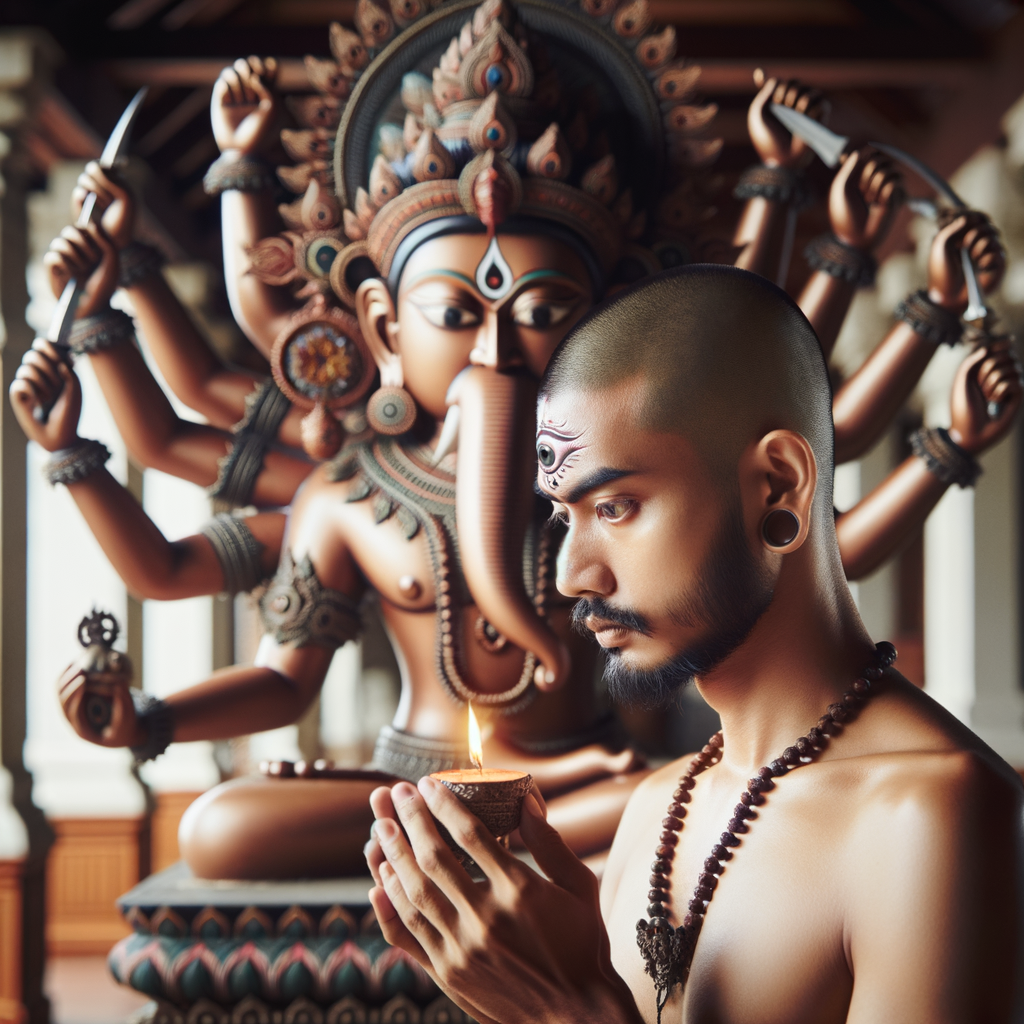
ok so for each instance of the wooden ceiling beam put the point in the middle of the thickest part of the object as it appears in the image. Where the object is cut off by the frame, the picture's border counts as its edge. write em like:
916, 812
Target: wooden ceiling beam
194, 72
195, 103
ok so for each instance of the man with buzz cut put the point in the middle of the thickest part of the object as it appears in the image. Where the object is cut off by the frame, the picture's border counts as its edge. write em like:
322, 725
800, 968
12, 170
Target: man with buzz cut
844, 850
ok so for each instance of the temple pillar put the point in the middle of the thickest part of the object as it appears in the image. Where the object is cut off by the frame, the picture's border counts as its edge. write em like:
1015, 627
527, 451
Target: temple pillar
25, 62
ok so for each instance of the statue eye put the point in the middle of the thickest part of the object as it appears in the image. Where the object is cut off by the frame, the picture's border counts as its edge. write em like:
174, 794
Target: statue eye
546, 455
541, 316
451, 318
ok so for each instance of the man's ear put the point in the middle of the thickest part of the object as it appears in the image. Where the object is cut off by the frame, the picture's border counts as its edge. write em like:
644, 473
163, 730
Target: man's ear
779, 477
379, 323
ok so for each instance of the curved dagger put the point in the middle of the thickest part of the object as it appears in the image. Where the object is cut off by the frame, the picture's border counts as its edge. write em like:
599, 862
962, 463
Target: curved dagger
64, 313
830, 146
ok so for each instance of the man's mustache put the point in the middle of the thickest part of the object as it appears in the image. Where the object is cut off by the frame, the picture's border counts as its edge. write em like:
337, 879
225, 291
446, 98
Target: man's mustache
600, 609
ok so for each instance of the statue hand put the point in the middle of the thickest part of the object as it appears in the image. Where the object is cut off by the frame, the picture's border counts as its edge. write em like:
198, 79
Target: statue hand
245, 109
99, 709
864, 197
42, 376
88, 255
990, 374
774, 143
114, 201
971, 230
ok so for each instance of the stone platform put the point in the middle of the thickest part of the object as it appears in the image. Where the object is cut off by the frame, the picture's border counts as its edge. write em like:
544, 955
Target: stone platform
296, 952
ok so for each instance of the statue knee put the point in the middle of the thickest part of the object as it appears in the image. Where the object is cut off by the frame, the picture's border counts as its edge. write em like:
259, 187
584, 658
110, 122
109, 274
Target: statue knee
219, 833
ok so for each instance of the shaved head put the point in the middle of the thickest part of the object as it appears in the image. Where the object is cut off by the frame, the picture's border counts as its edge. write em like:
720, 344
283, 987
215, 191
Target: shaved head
720, 356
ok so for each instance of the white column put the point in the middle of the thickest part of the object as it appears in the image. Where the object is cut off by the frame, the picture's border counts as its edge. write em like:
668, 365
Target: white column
177, 638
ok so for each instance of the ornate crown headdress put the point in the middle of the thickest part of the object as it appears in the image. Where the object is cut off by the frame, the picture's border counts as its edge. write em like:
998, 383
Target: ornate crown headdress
575, 117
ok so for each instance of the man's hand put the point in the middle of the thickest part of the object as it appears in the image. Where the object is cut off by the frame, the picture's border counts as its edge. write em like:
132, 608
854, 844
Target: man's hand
41, 378
863, 199
775, 144
245, 109
88, 255
991, 374
518, 948
113, 200
973, 231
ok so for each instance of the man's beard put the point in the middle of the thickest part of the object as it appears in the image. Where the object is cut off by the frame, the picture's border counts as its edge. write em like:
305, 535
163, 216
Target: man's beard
730, 594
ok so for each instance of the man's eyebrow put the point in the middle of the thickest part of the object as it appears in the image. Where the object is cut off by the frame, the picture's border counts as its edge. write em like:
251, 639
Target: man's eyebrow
598, 478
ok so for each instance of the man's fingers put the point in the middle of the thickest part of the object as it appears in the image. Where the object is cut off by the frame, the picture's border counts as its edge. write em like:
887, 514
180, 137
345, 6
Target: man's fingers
426, 911
432, 853
466, 829
553, 857
391, 925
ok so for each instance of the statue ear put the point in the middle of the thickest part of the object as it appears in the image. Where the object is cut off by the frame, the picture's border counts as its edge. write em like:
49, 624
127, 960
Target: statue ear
378, 321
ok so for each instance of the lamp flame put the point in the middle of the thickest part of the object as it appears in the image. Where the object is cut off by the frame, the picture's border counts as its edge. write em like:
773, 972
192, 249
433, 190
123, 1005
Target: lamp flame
476, 747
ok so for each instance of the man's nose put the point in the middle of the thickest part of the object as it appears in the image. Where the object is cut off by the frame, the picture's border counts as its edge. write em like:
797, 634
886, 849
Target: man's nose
582, 572
496, 343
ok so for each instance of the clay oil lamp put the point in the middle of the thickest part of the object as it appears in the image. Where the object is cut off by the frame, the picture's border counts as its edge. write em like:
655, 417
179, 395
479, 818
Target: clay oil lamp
494, 795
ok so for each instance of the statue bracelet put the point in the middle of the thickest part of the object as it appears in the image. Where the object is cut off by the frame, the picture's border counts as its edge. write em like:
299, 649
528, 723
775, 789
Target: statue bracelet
237, 173
70, 465
776, 184
157, 718
101, 331
829, 254
944, 457
933, 322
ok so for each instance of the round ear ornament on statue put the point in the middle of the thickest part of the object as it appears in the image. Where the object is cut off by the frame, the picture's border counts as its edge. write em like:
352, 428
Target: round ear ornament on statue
322, 364
780, 528
390, 411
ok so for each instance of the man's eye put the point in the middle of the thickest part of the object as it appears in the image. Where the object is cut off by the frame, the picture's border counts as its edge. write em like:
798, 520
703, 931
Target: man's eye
451, 318
615, 510
541, 316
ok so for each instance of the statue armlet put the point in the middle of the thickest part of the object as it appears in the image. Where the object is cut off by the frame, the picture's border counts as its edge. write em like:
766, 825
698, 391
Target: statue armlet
265, 410
237, 550
298, 609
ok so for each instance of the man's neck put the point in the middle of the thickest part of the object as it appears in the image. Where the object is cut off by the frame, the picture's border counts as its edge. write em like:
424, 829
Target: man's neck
802, 655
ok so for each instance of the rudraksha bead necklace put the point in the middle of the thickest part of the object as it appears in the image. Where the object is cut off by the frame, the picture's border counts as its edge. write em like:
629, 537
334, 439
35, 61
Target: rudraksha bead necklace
667, 950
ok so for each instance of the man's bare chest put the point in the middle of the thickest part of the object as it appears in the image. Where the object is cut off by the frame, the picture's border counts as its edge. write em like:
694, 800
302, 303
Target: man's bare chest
772, 945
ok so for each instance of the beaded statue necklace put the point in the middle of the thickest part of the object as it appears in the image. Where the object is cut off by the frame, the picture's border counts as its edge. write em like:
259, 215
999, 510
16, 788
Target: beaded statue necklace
667, 950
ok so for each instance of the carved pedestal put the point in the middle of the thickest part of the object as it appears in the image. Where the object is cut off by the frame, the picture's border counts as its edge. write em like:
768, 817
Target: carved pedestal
303, 952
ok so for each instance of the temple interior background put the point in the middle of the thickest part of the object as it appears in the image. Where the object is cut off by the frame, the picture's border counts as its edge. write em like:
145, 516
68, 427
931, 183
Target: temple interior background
944, 79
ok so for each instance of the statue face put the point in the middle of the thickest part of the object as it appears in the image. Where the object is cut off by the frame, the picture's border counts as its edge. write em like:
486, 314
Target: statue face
463, 302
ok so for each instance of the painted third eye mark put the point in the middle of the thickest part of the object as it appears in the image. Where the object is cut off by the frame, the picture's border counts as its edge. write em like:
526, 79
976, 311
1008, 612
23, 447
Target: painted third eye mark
557, 451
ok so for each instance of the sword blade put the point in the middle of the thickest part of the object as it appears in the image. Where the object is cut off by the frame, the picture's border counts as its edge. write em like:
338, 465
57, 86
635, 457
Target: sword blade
829, 145
117, 144
922, 170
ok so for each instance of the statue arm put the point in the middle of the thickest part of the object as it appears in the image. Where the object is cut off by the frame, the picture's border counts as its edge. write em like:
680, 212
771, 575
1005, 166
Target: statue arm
262, 310
151, 566
762, 226
862, 202
878, 525
867, 402
865, 405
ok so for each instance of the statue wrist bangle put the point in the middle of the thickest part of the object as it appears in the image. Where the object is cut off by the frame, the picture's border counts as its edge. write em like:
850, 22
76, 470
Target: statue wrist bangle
836, 258
944, 457
157, 718
776, 184
138, 261
929, 319
237, 173
101, 331
70, 465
